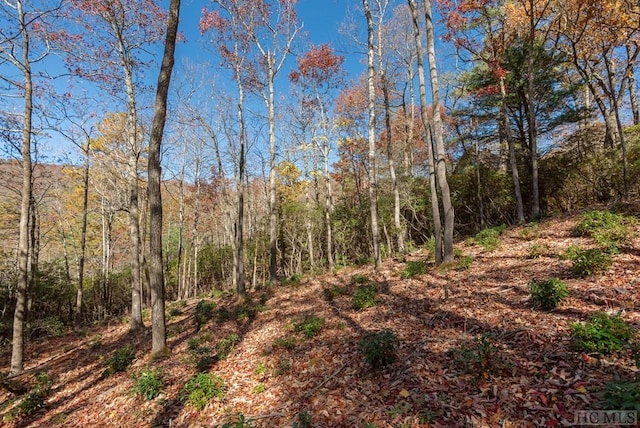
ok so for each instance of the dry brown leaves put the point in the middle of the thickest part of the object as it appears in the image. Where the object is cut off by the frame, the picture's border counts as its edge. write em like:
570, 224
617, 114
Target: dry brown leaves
536, 378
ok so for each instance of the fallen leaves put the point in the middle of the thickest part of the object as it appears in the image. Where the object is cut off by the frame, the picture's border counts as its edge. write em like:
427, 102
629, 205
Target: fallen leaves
540, 382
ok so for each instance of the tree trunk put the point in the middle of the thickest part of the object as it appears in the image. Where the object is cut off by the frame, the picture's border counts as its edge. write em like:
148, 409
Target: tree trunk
435, 210
158, 323
83, 234
19, 315
633, 96
134, 218
273, 209
440, 154
239, 276
373, 195
531, 116
505, 126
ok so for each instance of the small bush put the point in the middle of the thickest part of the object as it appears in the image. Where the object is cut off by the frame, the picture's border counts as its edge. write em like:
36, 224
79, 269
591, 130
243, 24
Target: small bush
48, 327
334, 291
379, 348
239, 421
464, 262
204, 312
488, 238
95, 342
590, 262
293, 280
413, 268
285, 342
34, 400
604, 334
303, 420
608, 230
571, 252
530, 231
283, 366
366, 296
224, 314
120, 360
259, 388
621, 396
148, 384
174, 312
202, 388
225, 346
548, 293
537, 250
479, 357
310, 325
359, 279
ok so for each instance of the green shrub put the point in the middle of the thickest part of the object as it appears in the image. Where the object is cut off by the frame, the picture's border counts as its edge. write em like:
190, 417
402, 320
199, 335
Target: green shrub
34, 400
239, 421
303, 420
479, 357
571, 252
464, 262
621, 396
530, 231
413, 268
488, 238
174, 312
283, 366
259, 388
120, 360
224, 314
310, 325
285, 342
537, 250
204, 312
225, 346
48, 327
548, 293
202, 388
95, 342
334, 291
359, 279
608, 230
590, 262
379, 348
148, 384
293, 280
366, 296
604, 334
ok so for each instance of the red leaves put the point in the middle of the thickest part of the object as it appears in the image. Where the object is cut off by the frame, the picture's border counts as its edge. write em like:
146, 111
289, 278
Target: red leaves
318, 65
212, 19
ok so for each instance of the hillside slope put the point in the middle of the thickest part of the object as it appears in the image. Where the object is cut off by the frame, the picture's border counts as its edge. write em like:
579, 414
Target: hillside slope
472, 349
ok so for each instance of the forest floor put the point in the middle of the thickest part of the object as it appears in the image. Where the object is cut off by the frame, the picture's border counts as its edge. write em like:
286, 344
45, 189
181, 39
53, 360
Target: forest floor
471, 349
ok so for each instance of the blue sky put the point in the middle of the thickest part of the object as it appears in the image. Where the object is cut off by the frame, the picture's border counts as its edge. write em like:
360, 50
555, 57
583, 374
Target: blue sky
321, 18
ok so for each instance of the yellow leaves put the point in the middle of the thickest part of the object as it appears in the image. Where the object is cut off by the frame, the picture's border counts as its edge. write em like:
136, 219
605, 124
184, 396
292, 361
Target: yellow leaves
404, 393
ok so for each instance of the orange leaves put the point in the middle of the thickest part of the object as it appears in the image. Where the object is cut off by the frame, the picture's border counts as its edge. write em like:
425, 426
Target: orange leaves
319, 64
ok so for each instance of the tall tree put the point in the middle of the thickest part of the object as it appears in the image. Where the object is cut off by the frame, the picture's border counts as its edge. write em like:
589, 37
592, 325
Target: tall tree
602, 42
24, 24
438, 133
319, 73
373, 196
115, 36
156, 265
435, 206
227, 23
479, 32
273, 33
